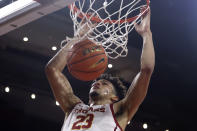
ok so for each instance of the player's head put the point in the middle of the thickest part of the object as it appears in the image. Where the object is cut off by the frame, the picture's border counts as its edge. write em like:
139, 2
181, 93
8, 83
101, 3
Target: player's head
107, 87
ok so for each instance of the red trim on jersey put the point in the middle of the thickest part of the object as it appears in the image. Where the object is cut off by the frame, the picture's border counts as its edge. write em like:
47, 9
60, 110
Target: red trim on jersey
115, 128
113, 114
76, 105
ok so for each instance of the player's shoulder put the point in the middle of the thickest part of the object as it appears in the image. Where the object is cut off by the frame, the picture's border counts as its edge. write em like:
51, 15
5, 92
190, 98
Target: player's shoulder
119, 107
80, 104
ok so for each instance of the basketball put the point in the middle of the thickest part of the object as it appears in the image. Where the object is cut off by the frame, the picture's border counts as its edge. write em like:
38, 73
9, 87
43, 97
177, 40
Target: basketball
86, 60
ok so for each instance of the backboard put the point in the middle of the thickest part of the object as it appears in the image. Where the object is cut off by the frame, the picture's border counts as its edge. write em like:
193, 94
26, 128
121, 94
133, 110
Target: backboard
16, 13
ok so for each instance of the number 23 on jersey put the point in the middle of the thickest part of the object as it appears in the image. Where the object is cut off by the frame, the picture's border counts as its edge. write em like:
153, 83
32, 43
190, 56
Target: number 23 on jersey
83, 122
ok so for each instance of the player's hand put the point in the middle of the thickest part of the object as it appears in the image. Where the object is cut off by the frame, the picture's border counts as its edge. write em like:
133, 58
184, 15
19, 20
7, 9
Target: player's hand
144, 27
87, 26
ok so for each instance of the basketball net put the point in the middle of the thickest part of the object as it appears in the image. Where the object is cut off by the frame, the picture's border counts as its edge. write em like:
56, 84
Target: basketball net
108, 22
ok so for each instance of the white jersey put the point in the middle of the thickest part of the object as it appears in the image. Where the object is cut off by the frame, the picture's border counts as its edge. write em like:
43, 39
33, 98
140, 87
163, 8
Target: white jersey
91, 118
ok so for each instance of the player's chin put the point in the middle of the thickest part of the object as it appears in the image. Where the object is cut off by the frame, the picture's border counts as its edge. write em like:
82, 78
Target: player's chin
93, 89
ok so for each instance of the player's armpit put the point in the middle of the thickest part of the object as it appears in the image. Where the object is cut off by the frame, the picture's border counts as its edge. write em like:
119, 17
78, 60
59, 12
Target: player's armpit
136, 93
61, 89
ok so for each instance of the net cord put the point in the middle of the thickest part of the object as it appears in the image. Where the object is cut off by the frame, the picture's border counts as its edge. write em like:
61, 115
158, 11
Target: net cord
114, 37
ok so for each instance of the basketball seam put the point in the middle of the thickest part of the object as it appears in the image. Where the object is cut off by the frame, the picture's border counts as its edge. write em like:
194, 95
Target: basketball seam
77, 50
75, 70
85, 59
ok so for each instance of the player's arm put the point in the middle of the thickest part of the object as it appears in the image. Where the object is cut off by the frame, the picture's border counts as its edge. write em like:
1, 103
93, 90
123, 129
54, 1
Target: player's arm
138, 89
59, 83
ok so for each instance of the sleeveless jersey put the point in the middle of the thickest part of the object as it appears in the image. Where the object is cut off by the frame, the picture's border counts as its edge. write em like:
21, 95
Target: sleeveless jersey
91, 118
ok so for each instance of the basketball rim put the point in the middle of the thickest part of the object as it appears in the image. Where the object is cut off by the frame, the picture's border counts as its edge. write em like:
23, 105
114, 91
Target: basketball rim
97, 19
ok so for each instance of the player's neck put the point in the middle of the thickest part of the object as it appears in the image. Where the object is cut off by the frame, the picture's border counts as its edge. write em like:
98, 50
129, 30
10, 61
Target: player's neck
100, 102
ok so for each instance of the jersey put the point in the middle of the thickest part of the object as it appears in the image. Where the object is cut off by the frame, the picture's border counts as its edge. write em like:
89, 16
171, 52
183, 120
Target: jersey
91, 118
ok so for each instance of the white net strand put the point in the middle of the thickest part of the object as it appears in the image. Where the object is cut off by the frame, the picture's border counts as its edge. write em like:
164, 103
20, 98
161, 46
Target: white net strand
112, 34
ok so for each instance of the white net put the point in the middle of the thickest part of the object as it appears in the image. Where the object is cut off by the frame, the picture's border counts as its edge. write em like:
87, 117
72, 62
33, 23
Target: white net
106, 22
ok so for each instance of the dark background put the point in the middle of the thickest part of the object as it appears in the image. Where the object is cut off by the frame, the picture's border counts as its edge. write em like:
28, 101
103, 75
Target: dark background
171, 100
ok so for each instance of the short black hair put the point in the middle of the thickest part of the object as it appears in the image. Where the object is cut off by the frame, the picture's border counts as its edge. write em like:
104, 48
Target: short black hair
119, 84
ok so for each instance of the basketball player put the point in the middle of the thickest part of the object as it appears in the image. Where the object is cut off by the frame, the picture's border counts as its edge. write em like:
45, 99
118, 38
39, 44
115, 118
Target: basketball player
107, 111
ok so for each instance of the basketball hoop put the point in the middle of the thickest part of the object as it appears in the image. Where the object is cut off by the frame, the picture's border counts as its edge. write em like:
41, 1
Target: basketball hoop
114, 18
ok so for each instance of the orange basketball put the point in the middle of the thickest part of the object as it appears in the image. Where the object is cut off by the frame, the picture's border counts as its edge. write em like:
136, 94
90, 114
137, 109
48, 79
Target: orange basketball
86, 60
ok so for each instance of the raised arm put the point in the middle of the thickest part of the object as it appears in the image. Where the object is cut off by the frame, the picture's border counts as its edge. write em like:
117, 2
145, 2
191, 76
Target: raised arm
60, 85
138, 89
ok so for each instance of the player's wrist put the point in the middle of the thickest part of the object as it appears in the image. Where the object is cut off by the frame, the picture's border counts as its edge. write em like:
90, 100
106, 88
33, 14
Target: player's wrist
147, 34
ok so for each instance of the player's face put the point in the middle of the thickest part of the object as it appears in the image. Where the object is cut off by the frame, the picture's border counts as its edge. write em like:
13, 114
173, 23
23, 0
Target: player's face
103, 88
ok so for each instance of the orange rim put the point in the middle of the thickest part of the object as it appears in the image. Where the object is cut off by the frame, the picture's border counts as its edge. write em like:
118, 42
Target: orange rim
96, 19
